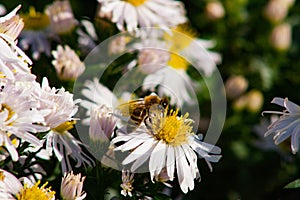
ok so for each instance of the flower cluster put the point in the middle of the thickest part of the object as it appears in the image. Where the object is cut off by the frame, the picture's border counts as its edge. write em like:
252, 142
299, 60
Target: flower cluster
47, 126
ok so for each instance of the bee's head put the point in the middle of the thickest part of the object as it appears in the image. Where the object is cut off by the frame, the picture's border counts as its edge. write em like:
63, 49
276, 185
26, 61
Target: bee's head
165, 102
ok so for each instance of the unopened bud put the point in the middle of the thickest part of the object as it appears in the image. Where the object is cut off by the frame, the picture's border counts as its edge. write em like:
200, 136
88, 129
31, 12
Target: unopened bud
252, 101
280, 37
276, 10
235, 86
214, 10
255, 101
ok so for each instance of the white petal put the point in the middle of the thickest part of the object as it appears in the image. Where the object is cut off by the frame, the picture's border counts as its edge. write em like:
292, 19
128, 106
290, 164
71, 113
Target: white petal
157, 159
138, 152
170, 162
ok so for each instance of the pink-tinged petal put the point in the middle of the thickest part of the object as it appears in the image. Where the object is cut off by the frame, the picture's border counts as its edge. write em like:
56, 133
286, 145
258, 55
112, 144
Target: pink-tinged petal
10, 15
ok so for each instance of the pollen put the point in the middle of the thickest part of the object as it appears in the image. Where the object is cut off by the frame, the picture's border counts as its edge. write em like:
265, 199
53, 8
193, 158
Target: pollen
36, 192
174, 130
2, 176
65, 126
136, 3
10, 112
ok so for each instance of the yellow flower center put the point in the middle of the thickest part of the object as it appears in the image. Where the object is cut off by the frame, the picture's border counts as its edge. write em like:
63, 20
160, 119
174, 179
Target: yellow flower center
2, 177
35, 20
10, 112
65, 126
177, 62
181, 37
172, 129
136, 3
36, 192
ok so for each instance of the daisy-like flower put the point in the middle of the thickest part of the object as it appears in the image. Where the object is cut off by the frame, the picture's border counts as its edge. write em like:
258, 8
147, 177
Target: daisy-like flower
61, 109
71, 187
164, 57
167, 142
12, 188
67, 64
127, 180
12, 59
16, 105
36, 33
287, 125
131, 14
102, 124
61, 17
184, 41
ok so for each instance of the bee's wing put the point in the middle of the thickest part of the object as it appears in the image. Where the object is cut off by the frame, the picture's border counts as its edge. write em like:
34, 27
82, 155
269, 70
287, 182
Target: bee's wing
155, 115
127, 108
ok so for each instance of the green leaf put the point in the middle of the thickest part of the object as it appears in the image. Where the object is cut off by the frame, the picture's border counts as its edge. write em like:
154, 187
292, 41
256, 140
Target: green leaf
294, 184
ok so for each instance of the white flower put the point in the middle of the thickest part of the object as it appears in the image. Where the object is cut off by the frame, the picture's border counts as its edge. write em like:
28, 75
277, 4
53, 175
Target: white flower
102, 123
164, 57
127, 180
11, 24
183, 41
71, 187
16, 104
131, 14
287, 125
97, 95
61, 17
61, 108
11, 188
36, 33
67, 63
12, 59
167, 142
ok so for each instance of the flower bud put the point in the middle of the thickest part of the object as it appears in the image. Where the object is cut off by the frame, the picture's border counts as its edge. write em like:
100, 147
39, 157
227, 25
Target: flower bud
67, 64
281, 37
235, 86
255, 101
214, 10
252, 101
61, 17
240, 103
276, 10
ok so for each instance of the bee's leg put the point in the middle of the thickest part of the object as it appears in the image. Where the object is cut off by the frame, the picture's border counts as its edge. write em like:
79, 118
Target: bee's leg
148, 121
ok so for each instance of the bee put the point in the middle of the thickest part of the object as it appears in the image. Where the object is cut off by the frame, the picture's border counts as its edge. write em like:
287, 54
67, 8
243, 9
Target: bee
138, 110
